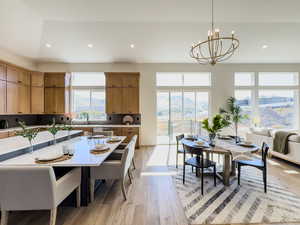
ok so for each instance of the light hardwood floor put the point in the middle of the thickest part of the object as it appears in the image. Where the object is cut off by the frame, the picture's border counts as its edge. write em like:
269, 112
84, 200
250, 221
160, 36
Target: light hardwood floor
152, 198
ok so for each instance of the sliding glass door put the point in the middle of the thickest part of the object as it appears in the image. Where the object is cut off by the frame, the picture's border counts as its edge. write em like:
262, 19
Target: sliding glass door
180, 111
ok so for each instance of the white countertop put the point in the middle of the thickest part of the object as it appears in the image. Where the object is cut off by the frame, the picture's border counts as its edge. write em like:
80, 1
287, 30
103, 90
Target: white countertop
15, 143
73, 125
81, 157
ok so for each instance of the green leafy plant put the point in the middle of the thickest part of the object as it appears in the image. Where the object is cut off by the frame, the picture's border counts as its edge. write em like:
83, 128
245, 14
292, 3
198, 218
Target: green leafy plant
217, 124
66, 127
53, 129
29, 133
233, 113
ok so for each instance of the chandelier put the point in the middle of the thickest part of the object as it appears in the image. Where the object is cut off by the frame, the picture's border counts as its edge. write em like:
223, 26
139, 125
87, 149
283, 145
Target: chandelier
216, 48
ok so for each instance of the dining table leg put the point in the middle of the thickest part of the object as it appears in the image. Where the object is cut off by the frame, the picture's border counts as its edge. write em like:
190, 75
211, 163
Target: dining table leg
85, 182
226, 170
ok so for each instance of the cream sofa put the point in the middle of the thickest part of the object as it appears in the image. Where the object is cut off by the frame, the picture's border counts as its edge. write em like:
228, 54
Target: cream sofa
260, 135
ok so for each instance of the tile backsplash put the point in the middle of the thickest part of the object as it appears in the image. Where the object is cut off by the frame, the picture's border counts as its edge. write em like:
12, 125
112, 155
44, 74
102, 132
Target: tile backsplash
62, 119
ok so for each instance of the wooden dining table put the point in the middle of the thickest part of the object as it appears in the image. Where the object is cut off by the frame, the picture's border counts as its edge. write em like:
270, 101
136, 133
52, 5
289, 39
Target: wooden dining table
228, 149
82, 158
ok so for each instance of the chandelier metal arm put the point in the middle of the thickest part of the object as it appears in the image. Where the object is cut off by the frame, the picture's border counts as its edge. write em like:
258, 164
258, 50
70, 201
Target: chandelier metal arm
214, 45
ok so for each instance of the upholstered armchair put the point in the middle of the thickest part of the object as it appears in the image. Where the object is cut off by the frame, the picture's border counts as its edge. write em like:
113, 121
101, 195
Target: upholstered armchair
35, 188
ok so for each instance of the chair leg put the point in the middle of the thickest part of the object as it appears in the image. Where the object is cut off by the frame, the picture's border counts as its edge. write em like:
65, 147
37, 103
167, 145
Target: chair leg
53, 214
78, 196
129, 176
265, 179
4, 217
192, 166
215, 175
176, 159
239, 174
92, 189
183, 177
202, 179
133, 164
123, 189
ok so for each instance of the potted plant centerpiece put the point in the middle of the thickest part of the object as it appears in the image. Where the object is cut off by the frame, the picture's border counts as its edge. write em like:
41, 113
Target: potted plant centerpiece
53, 129
217, 124
234, 114
29, 133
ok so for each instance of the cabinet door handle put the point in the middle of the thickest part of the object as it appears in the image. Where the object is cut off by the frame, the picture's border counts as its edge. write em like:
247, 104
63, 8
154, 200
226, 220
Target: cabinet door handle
19, 112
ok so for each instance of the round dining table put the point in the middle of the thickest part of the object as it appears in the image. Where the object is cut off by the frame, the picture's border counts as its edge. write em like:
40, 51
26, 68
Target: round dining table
228, 148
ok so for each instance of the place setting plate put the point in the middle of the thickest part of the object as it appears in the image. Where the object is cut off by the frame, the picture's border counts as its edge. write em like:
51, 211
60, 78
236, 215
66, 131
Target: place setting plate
99, 149
246, 144
52, 158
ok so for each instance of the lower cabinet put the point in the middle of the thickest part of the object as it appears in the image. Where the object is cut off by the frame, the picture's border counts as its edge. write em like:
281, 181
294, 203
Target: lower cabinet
3, 135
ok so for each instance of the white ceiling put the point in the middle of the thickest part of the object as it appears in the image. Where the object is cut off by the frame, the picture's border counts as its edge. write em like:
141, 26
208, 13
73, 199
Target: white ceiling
161, 30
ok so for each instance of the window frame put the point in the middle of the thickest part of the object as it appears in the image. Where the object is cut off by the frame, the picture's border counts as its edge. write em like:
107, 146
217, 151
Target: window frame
85, 88
256, 88
182, 89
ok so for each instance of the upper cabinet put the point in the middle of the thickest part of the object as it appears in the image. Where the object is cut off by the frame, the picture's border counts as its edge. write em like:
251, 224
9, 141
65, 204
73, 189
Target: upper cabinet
16, 75
57, 80
122, 93
2, 97
57, 93
2, 71
114, 80
37, 79
37, 93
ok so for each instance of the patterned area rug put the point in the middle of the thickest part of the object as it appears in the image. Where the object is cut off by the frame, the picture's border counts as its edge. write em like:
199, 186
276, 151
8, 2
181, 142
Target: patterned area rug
236, 204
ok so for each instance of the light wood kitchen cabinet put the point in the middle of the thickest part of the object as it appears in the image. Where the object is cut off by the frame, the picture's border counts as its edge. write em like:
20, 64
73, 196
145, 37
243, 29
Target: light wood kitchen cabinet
56, 80
57, 92
24, 99
2, 72
114, 100
24, 77
37, 93
2, 97
37, 79
122, 79
130, 101
113, 80
12, 98
122, 93
17, 75
3, 135
37, 100
55, 100
18, 98
131, 80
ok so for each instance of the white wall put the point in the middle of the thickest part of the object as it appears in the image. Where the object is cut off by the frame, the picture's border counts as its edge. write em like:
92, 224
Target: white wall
222, 82
21, 61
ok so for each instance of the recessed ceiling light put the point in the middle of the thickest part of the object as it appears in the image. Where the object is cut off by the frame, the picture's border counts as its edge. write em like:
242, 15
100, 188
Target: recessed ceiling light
48, 45
265, 46
90, 45
132, 46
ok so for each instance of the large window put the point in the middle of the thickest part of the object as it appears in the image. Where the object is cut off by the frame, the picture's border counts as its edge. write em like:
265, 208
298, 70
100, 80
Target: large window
270, 99
182, 102
88, 96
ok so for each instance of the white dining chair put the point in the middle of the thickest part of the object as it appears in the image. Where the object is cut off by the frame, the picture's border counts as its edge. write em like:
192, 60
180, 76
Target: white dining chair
114, 169
122, 146
35, 188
